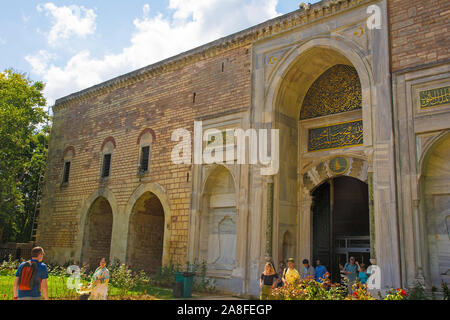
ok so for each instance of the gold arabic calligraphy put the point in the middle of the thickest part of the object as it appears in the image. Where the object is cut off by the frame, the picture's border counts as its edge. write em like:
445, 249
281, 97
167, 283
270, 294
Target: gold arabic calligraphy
434, 97
336, 136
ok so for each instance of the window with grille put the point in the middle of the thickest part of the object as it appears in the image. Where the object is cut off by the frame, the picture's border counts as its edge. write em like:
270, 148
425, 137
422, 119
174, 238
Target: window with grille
145, 159
66, 172
106, 165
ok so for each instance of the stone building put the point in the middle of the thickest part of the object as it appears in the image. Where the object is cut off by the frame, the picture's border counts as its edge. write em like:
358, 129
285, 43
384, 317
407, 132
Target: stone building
359, 91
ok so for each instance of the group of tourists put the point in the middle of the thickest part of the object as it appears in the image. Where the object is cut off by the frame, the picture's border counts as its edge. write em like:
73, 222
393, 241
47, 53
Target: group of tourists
31, 279
31, 283
271, 279
353, 271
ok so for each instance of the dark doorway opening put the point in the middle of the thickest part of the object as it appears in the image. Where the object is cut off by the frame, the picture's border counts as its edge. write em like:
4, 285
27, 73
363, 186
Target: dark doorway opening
146, 234
341, 223
98, 232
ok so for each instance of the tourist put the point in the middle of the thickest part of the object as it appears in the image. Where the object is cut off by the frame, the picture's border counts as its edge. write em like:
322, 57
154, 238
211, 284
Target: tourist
268, 281
343, 278
362, 273
321, 273
308, 272
269, 260
290, 275
351, 270
281, 268
99, 282
31, 278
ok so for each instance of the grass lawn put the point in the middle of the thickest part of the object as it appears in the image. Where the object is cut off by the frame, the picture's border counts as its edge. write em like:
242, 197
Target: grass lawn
58, 290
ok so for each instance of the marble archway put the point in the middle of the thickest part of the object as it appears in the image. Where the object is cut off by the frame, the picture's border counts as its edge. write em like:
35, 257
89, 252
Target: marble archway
435, 202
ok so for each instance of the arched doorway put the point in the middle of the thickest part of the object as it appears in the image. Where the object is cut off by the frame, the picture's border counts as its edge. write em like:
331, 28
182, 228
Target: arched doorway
218, 223
98, 231
341, 223
319, 113
436, 193
146, 234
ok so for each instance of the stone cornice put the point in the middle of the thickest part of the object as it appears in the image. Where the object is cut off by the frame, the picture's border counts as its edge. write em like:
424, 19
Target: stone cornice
306, 14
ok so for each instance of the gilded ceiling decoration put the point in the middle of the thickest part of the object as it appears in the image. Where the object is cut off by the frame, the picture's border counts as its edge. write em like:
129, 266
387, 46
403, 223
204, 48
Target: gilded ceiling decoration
337, 90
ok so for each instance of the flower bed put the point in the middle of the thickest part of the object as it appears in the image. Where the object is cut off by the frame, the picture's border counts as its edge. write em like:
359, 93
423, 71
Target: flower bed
313, 290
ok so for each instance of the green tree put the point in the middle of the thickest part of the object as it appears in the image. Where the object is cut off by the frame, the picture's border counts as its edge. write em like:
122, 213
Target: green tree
22, 151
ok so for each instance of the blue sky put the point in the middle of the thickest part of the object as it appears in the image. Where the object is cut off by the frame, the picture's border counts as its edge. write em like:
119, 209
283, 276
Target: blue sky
72, 45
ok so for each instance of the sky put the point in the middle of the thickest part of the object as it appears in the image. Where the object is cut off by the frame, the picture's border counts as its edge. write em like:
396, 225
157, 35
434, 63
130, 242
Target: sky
72, 45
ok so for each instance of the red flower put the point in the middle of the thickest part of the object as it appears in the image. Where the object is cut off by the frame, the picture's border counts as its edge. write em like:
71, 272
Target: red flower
355, 294
402, 292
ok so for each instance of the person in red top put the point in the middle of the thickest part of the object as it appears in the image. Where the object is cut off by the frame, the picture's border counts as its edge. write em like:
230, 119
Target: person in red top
40, 279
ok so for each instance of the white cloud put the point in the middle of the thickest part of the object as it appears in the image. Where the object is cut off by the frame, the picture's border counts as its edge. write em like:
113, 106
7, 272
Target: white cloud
190, 23
68, 21
2, 41
40, 61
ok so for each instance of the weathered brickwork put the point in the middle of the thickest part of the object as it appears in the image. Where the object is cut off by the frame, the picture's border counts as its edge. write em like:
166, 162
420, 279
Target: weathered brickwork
163, 103
419, 32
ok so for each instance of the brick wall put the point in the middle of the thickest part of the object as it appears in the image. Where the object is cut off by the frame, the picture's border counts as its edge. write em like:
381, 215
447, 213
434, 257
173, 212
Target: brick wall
163, 102
419, 32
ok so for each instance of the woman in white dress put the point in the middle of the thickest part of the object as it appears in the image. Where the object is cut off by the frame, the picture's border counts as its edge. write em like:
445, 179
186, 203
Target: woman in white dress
99, 282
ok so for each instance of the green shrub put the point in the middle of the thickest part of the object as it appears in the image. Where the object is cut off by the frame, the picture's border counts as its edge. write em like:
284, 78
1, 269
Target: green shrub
203, 283
310, 290
122, 278
9, 267
165, 276
445, 290
418, 292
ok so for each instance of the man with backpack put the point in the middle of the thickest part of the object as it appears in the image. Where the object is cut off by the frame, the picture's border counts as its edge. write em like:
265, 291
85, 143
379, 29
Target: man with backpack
31, 278
290, 274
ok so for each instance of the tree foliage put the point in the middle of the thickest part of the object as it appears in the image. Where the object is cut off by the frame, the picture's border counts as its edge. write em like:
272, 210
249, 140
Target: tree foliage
23, 136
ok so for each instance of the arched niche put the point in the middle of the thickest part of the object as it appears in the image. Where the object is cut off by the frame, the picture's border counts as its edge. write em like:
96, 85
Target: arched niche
218, 222
435, 194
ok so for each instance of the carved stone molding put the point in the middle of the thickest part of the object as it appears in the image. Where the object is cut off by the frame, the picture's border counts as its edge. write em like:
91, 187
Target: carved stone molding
356, 168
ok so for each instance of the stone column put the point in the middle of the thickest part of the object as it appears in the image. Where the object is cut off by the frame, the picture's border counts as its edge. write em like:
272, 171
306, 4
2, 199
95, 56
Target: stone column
269, 219
305, 224
119, 236
373, 254
417, 242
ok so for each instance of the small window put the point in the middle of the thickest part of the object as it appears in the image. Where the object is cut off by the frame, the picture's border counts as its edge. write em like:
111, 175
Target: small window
106, 165
66, 172
145, 157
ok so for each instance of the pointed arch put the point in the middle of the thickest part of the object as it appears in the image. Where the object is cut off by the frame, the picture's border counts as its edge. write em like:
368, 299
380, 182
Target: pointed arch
160, 193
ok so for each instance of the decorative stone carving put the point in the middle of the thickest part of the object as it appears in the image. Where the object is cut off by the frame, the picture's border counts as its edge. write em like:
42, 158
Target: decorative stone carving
322, 170
356, 168
327, 169
223, 240
338, 165
269, 222
271, 60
